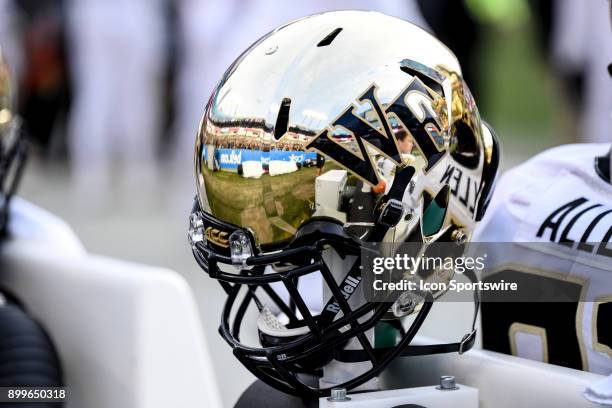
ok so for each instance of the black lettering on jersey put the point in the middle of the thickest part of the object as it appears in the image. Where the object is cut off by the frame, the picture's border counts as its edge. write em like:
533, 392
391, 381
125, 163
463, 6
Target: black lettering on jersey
461, 186
602, 248
421, 125
584, 245
564, 240
554, 223
557, 217
604, 324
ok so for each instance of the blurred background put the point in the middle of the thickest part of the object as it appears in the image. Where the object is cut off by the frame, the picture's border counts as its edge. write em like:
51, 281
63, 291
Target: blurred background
112, 92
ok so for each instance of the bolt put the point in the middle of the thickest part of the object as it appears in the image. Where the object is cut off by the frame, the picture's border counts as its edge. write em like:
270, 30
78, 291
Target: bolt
337, 395
409, 214
447, 383
459, 236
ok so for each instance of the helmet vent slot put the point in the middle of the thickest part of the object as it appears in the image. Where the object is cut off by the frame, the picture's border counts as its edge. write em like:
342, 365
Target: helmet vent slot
329, 38
428, 81
282, 120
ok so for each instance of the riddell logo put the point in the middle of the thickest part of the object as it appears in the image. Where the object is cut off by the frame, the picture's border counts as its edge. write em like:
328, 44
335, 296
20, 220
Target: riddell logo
347, 288
217, 237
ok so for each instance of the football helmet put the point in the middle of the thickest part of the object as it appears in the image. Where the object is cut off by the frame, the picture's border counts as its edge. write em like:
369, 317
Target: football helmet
330, 133
12, 142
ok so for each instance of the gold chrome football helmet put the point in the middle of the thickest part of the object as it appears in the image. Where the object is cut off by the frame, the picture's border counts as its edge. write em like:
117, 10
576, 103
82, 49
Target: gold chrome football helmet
12, 142
328, 134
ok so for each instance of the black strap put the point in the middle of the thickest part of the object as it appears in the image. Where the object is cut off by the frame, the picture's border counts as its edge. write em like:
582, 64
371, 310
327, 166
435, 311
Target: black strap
390, 210
400, 183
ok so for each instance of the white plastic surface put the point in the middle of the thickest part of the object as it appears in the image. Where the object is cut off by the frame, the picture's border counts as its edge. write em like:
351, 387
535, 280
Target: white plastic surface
428, 397
328, 193
128, 335
503, 381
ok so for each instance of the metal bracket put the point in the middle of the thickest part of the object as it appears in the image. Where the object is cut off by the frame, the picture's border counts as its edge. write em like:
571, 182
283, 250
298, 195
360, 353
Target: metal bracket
466, 339
391, 213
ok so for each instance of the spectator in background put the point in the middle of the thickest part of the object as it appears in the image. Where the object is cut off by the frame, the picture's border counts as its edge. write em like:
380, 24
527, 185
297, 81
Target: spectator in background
45, 80
454, 25
116, 49
31, 31
582, 44
10, 38
575, 37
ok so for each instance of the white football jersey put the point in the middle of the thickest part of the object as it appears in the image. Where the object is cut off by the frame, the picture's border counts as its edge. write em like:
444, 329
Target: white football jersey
555, 198
27, 222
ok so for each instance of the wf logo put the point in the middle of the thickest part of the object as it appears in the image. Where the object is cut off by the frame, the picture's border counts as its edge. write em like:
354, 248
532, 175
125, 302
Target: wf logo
413, 108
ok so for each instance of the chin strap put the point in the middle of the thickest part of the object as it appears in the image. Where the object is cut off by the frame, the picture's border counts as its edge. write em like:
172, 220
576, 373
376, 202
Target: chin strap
468, 340
466, 343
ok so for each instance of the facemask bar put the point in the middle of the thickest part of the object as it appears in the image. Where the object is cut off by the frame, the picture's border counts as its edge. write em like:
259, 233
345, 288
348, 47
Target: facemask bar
317, 331
378, 363
11, 168
280, 365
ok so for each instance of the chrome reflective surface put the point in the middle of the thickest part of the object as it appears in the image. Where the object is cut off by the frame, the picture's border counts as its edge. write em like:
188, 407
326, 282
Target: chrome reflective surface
316, 117
6, 107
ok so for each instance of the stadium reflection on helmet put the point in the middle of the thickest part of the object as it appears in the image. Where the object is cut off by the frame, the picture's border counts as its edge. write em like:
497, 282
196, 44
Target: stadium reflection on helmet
330, 132
12, 142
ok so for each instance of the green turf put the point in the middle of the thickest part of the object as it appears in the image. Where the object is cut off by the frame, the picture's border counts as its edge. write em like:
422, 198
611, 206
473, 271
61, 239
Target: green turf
252, 202
518, 92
